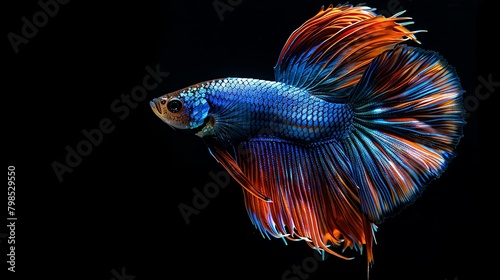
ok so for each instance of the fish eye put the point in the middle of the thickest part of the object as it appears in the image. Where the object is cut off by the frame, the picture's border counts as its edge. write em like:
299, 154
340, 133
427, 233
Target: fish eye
174, 105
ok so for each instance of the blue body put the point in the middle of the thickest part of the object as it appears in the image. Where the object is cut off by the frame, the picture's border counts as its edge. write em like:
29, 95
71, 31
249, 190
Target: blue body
267, 108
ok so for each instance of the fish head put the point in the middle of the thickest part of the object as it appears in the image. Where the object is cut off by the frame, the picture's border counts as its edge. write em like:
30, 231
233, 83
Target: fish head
185, 109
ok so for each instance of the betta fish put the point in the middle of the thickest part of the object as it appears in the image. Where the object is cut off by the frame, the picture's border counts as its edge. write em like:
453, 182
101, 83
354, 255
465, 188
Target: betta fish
356, 124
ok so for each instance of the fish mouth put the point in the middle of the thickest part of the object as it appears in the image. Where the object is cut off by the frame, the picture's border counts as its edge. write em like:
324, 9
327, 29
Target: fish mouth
155, 106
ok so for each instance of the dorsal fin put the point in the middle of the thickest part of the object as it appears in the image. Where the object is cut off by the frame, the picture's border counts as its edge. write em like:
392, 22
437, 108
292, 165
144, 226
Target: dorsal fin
329, 52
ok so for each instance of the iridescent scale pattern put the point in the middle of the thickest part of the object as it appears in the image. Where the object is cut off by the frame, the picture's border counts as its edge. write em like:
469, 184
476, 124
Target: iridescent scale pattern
278, 110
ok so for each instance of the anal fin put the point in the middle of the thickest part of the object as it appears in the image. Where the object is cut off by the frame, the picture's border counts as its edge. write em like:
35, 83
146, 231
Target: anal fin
313, 194
227, 161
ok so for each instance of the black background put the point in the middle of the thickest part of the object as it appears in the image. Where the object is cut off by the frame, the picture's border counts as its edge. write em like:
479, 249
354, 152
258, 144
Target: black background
118, 208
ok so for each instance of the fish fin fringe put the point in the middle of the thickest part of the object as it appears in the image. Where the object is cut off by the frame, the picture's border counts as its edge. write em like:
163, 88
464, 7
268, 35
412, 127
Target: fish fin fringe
408, 121
224, 158
313, 194
329, 52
